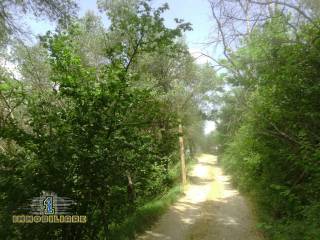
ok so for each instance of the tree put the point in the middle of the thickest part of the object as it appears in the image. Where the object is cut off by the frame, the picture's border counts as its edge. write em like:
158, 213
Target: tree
266, 125
95, 131
9, 10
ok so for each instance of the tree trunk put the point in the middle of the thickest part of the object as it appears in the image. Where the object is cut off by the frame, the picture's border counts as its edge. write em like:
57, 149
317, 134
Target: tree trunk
130, 192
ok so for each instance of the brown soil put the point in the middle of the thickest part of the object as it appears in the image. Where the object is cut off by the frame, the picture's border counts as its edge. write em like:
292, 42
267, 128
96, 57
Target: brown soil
210, 210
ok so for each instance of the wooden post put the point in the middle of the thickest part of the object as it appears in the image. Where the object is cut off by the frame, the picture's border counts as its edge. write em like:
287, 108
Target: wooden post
182, 157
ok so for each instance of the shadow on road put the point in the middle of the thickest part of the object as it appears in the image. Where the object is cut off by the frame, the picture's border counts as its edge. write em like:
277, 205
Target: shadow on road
210, 210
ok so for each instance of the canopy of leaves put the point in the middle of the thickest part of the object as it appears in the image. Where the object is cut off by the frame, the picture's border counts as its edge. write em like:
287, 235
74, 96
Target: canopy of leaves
93, 108
268, 128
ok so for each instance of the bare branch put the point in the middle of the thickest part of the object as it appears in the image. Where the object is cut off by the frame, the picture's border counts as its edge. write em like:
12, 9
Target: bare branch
285, 3
224, 41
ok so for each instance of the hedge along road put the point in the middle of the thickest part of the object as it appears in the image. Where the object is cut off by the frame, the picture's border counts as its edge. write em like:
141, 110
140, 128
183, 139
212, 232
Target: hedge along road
210, 210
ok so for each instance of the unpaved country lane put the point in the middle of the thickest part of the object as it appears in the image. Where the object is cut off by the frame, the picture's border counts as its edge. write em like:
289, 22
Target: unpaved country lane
210, 209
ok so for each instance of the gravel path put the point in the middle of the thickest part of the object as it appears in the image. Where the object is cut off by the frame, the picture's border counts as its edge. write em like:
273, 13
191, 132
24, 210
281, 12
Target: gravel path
210, 210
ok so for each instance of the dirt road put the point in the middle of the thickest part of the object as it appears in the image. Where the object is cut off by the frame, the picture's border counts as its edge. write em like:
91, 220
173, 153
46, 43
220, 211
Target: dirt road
210, 210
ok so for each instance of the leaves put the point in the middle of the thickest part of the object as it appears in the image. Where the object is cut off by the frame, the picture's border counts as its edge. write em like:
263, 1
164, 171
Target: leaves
98, 106
266, 131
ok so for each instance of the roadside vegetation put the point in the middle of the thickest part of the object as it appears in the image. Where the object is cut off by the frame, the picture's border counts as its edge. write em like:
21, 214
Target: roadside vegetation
92, 113
267, 125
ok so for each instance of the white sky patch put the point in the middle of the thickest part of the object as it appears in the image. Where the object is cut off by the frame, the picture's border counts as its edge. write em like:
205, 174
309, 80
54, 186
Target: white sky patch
200, 59
209, 127
10, 67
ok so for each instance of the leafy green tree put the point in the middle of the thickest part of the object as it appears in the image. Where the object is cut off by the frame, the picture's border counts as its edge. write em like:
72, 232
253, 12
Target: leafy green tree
95, 129
53, 9
267, 127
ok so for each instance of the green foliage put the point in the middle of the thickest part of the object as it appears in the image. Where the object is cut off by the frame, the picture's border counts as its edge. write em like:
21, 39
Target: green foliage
92, 109
268, 128
10, 11
145, 215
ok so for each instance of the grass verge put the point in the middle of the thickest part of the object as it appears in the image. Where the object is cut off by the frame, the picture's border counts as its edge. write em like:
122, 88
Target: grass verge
146, 215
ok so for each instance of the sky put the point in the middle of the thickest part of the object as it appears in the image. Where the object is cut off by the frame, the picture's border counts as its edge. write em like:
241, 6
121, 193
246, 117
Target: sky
196, 12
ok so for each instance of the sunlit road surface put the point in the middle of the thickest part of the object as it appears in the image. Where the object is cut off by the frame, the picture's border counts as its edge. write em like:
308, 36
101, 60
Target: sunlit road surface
210, 209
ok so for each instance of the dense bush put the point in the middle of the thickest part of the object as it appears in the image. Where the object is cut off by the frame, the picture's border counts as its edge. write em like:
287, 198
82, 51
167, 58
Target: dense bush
94, 110
269, 128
